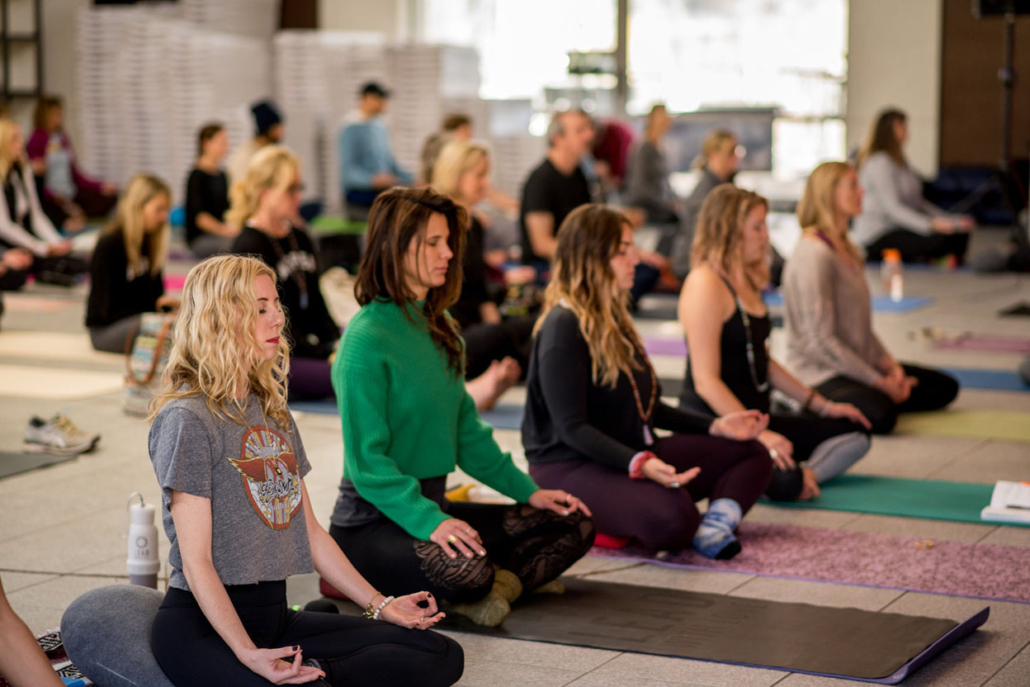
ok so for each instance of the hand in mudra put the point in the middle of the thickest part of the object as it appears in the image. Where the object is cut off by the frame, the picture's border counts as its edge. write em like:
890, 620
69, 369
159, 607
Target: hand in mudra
405, 611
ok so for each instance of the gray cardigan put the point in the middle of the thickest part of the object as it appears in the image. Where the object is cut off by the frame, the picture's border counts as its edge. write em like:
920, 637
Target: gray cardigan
647, 183
681, 247
828, 316
893, 200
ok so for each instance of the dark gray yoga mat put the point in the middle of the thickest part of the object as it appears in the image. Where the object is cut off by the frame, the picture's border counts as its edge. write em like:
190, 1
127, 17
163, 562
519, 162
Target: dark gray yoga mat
16, 463
836, 642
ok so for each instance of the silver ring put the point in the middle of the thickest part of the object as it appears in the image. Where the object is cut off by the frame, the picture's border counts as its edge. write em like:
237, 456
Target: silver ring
674, 485
773, 453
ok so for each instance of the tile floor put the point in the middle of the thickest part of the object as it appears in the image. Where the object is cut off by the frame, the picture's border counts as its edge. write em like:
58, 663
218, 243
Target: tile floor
62, 529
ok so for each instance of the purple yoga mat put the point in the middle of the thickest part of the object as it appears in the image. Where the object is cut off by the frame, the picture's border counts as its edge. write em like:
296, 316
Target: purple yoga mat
665, 346
980, 342
982, 571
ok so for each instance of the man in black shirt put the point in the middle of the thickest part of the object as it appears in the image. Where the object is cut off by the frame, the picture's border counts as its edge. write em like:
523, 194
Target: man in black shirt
556, 187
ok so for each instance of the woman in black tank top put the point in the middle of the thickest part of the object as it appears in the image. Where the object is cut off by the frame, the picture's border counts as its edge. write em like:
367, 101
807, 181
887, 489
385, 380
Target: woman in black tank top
727, 327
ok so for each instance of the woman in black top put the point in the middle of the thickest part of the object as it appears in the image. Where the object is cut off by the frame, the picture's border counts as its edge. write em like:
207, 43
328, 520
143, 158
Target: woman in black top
729, 369
594, 402
494, 345
126, 271
263, 203
207, 196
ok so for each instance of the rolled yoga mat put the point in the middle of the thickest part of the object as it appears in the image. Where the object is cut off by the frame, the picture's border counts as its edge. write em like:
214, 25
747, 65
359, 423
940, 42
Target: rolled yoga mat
868, 559
907, 498
879, 303
832, 642
990, 380
977, 424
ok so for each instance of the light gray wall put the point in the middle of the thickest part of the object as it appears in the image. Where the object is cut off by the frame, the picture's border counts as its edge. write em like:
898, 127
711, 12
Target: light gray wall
894, 59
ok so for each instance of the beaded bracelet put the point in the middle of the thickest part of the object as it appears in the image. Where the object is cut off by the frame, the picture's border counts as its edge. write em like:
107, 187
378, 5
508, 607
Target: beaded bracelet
370, 609
375, 616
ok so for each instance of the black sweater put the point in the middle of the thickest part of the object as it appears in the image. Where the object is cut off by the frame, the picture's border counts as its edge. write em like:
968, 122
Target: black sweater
114, 293
205, 193
473, 286
568, 417
313, 333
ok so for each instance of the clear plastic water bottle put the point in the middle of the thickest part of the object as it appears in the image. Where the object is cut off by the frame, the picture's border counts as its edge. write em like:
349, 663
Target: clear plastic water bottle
143, 563
891, 275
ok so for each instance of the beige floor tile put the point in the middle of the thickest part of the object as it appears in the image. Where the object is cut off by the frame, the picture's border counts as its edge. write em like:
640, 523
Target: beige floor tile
803, 517
1015, 674
13, 581
817, 593
915, 457
684, 671
487, 673
1009, 536
480, 648
651, 575
993, 461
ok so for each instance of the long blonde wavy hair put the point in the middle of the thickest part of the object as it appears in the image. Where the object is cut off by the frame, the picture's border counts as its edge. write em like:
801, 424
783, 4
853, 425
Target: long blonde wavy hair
582, 279
271, 167
719, 236
716, 140
456, 159
128, 221
215, 339
8, 127
817, 209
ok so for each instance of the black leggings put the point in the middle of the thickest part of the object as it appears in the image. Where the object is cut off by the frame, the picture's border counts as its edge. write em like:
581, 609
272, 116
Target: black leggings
805, 432
934, 391
536, 545
485, 343
919, 247
351, 650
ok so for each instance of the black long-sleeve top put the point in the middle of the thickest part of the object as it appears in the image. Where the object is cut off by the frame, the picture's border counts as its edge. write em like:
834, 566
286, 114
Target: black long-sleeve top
205, 193
313, 333
473, 286
114, 291
569, 417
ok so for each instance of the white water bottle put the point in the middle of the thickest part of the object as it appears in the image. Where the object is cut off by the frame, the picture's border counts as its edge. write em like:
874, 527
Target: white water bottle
142, 564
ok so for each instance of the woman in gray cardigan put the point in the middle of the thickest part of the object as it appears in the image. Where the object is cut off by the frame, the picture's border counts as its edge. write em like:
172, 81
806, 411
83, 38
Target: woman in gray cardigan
895, 215
831, 345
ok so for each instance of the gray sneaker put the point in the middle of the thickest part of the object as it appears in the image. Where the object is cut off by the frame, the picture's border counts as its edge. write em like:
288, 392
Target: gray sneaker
58, 435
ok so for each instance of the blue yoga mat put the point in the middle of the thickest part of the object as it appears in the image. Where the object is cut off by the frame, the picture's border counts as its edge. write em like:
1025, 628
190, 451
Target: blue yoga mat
880, 303
503, 416
992, 380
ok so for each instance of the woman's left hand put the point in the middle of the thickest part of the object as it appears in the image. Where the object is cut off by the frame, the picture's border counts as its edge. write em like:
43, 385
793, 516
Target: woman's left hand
559, 501
405, 611
742, 426
846, 411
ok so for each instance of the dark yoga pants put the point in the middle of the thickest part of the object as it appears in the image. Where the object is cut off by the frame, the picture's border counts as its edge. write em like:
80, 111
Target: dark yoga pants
805, 432
114, 337
351, 650
660, 518
485, 343
310, 379
919, 247
536, 545
934, 391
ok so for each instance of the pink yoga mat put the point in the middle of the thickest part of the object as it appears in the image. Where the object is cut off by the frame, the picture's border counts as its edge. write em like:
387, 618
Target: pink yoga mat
174, 282
982, 571
978, 342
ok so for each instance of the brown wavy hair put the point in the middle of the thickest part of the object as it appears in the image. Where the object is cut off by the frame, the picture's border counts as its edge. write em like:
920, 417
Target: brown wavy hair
881, 137
398, 217
213, 341
719, 235
582, 280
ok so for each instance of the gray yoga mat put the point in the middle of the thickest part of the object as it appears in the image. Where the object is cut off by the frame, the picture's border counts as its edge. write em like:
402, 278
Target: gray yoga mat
835, 642
16, 463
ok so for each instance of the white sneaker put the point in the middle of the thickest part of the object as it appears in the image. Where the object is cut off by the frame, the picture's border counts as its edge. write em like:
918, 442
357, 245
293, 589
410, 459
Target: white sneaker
58, 435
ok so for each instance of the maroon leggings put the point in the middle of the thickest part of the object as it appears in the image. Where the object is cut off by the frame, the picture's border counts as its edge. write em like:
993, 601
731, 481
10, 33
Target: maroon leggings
659, 518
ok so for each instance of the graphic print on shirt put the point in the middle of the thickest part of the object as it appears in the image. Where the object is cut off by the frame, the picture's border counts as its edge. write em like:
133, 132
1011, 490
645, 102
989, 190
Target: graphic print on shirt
269, 471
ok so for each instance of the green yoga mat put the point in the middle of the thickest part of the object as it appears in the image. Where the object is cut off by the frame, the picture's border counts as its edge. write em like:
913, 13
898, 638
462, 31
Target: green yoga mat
978, 424
906, 498
334, 224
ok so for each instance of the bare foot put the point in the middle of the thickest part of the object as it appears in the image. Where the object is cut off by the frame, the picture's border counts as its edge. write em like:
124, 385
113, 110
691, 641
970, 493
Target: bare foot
488, 387
810, 488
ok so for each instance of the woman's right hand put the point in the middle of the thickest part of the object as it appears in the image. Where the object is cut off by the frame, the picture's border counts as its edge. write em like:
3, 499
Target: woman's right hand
897, 388
281, 666
943, 225
657, 470
457, 536
780, 449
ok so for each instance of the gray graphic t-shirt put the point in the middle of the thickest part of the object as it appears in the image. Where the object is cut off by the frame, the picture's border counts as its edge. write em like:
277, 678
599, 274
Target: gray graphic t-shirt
251, 473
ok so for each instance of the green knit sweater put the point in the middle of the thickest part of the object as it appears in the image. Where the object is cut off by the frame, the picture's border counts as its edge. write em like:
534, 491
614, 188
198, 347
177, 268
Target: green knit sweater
407, 417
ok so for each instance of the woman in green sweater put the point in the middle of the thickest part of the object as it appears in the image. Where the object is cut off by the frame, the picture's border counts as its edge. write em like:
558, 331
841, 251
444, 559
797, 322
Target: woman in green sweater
408, 422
